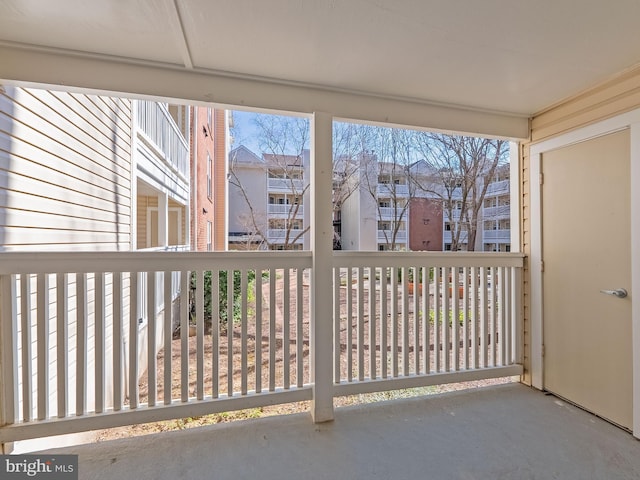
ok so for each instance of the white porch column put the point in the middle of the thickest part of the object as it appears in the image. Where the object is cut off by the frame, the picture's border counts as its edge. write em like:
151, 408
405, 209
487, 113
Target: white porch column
322, 251
163, 220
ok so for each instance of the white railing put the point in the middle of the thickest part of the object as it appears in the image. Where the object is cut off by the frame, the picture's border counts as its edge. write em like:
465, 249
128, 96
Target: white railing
75, 361
385, 236
408, 319
155, 122
390, 213
499, 212
292, 185
498, 188
275, 234
455, 215
285, 210
447, 236
496, 235
73, 350
392, 189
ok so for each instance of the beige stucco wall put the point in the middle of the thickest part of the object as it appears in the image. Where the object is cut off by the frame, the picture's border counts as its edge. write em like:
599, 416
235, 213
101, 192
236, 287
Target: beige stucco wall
613, 97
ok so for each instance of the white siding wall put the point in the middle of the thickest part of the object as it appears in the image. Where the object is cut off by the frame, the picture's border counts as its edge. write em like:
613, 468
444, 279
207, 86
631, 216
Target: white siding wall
65, 171
65, 184
254, 182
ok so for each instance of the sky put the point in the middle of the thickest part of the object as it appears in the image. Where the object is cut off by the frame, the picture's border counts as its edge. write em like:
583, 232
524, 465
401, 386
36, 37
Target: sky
245, 132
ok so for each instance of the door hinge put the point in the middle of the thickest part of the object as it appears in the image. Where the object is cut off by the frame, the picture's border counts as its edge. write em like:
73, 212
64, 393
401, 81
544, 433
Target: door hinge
541, 178
543, 350
542, 265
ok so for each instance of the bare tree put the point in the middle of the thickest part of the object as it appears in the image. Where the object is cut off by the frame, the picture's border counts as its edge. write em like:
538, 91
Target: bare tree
347, 147
284, 143
388, 178
464, 167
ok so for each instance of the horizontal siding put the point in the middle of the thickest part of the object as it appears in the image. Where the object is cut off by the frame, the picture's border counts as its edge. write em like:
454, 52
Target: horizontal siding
611, 98
65, 171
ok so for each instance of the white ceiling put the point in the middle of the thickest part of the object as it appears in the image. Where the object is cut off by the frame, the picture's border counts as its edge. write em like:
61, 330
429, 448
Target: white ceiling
512, 56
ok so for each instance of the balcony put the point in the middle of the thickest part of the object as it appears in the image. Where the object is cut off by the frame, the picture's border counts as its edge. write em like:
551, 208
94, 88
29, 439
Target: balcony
496, 236
390, 213
447, 237
278, 235
285, 211
286, 185
498, 188
455, 217
392, 190
385, 236
158, 130
496, 213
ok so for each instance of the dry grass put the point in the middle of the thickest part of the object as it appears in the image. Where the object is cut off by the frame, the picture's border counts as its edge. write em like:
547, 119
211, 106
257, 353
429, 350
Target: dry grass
258, 341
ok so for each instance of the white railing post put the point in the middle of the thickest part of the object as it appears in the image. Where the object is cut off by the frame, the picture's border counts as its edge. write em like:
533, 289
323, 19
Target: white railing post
322, 252
8, 352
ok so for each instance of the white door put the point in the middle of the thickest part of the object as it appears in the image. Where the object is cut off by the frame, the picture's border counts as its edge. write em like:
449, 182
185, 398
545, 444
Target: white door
586, 248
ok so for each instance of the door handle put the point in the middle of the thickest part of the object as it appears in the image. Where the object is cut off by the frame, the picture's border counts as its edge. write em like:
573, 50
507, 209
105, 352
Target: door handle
618, 292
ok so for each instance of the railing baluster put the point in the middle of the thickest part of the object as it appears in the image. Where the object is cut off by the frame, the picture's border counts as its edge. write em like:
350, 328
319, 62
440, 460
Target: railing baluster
384, 324
200, 293
493, 317
152, 315
349, 324
133, 343
372, 323
168, 334
243, 331
437, 314
9, 396
416, 320
505, 307
361, 312
230, 330
62, 346
43, 345
405, 321
455, 319
394, 320
336, 326
258, 332
82, 322
286, 313
516, 316
483, 316
116, 341
99, 349
27, 371
184, 345
465, 318
446, 318
272, 329
300, 326
426, 335
474, 317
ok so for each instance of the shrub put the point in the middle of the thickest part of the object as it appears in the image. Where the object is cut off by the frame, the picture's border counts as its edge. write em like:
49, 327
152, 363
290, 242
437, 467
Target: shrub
222, 295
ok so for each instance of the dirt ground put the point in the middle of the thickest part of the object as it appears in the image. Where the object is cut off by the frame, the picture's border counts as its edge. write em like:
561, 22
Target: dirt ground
264, 344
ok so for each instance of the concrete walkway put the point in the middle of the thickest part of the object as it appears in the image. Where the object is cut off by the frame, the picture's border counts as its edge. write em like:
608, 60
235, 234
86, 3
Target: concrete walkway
503, 432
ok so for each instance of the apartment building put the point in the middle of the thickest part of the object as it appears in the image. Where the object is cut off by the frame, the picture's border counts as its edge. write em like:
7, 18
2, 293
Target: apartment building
209, 133
404, 208
375, 215
496, 214
268, 200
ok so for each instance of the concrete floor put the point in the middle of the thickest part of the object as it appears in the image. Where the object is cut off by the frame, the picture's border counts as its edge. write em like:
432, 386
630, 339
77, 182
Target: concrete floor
502, 432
